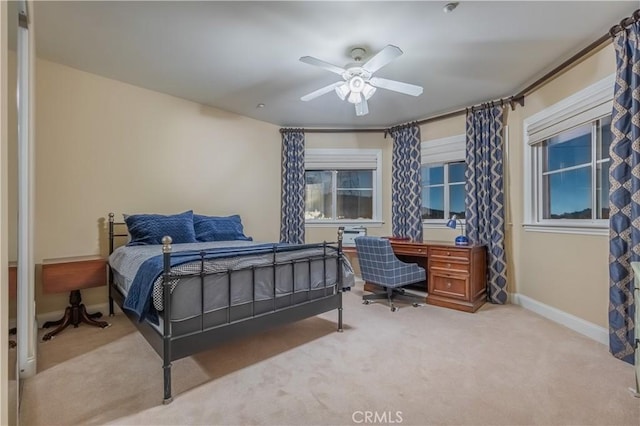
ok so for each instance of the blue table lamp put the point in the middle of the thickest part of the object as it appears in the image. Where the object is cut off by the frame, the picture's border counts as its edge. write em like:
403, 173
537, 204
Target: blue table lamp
461, 240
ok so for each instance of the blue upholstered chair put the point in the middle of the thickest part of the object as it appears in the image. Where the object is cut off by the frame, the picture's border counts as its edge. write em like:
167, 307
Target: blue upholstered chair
379, 265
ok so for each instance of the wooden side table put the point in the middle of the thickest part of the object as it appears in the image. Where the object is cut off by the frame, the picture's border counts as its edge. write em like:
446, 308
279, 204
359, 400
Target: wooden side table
73, 275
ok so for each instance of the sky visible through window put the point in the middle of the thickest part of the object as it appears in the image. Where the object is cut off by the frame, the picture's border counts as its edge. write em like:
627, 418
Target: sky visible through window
568, 167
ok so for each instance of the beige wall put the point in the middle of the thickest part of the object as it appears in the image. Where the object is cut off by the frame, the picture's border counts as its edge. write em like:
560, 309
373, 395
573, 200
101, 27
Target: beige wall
104, 146
568, 272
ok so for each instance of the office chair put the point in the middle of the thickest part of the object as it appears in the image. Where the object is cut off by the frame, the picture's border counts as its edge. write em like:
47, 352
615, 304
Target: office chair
379, 265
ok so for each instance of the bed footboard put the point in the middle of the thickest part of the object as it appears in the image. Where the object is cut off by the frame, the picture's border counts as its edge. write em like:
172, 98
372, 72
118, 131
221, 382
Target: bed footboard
172, 345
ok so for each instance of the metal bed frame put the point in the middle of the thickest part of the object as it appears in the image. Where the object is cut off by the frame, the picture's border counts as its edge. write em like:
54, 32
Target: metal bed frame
173, 346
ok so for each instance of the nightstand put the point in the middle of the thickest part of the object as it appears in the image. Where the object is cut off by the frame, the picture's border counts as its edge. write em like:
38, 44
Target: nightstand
73, 275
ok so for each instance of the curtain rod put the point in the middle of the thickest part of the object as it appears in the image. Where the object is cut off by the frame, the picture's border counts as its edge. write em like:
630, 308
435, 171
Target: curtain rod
518, 97
511, 101
343, 130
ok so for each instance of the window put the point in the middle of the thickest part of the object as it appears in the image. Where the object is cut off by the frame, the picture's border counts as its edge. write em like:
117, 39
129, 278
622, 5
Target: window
443, 171
575, 172
342, 186
443, 190
567, 164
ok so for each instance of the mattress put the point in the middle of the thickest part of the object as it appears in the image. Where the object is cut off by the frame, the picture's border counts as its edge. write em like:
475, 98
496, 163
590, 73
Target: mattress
234, 287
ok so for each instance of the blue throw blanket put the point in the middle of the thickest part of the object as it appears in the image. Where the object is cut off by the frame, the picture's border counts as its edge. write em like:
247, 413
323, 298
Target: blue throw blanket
138, 299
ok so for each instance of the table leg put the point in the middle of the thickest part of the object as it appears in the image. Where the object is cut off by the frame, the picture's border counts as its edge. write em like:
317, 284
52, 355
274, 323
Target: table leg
74, 315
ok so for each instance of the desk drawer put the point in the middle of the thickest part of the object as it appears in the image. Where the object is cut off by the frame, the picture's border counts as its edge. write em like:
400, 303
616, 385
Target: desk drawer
449, 253
449, 286
411, 250
453, 265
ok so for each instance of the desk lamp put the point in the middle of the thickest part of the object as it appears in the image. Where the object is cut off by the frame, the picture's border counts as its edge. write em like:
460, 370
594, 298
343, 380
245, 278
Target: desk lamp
461, 240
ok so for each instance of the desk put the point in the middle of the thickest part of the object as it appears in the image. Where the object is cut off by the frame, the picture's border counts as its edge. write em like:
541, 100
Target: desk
456, 275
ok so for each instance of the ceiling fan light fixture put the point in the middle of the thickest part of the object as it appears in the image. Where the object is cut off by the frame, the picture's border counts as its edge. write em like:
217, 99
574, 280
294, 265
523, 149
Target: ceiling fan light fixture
342, 91
356, 84
355, 97
368, 91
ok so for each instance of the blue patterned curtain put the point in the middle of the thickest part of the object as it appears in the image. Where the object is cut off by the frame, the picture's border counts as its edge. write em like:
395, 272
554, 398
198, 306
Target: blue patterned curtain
484, 200
406, 187
624, 193
292, 208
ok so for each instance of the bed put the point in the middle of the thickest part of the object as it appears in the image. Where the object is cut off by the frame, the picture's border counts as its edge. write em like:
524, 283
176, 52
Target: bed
185, 298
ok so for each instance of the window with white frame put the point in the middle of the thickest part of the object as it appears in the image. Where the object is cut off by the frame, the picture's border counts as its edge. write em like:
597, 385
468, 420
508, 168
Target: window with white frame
443, 181
567, 163
343, 185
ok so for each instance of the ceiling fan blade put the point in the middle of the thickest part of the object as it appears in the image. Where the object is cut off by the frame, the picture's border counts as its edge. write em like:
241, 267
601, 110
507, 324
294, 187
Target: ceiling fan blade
322, 91
322, 64
362, 108
382, 58
396, 86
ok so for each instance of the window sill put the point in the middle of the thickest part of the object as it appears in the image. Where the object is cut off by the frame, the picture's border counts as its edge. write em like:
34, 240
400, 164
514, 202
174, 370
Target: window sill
334, 223
575, 229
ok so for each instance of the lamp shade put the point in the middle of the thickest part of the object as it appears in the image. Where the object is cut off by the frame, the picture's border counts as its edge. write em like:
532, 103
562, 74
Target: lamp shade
452, 223
461, 240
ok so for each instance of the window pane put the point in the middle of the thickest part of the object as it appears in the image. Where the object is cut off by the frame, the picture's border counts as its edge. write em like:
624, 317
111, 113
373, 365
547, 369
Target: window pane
355, 179
568, 149
568, 194
355, 204
432, 175
433, 202
456, 201
456, 172
606, 137
318, 195
602, 190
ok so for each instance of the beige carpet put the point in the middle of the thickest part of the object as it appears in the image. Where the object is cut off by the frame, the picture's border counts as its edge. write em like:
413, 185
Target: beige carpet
418, 366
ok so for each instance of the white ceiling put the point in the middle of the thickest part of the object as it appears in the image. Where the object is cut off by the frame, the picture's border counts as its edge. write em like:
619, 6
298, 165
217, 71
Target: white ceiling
235, 55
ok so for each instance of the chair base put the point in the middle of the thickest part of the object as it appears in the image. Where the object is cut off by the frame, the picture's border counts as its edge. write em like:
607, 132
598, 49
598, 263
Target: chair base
389, 294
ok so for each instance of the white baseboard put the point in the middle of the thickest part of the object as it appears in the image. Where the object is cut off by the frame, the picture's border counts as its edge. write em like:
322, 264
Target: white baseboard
56, 315
586, 328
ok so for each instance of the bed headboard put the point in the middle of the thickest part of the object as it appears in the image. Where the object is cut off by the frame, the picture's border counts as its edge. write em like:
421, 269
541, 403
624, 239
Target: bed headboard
115, 231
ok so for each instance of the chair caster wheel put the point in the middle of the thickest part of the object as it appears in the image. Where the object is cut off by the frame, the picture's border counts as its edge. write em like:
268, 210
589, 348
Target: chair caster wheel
393, 309
366, 302
415, 305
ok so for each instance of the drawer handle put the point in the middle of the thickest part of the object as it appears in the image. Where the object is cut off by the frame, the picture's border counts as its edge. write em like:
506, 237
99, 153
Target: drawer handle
448, 265
449, 285
448, 253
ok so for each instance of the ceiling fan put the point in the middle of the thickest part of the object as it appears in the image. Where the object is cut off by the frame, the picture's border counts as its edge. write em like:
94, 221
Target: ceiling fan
358, 83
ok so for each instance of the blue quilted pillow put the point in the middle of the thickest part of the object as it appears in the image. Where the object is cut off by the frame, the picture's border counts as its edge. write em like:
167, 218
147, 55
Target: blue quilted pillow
216, 228
150, 228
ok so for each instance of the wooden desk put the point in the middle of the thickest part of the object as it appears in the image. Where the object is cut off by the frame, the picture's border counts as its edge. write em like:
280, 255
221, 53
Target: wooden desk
456, 275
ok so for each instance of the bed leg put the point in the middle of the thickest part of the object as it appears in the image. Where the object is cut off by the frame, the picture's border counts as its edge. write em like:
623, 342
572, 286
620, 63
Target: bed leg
340, 330
111, 306
167, 384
